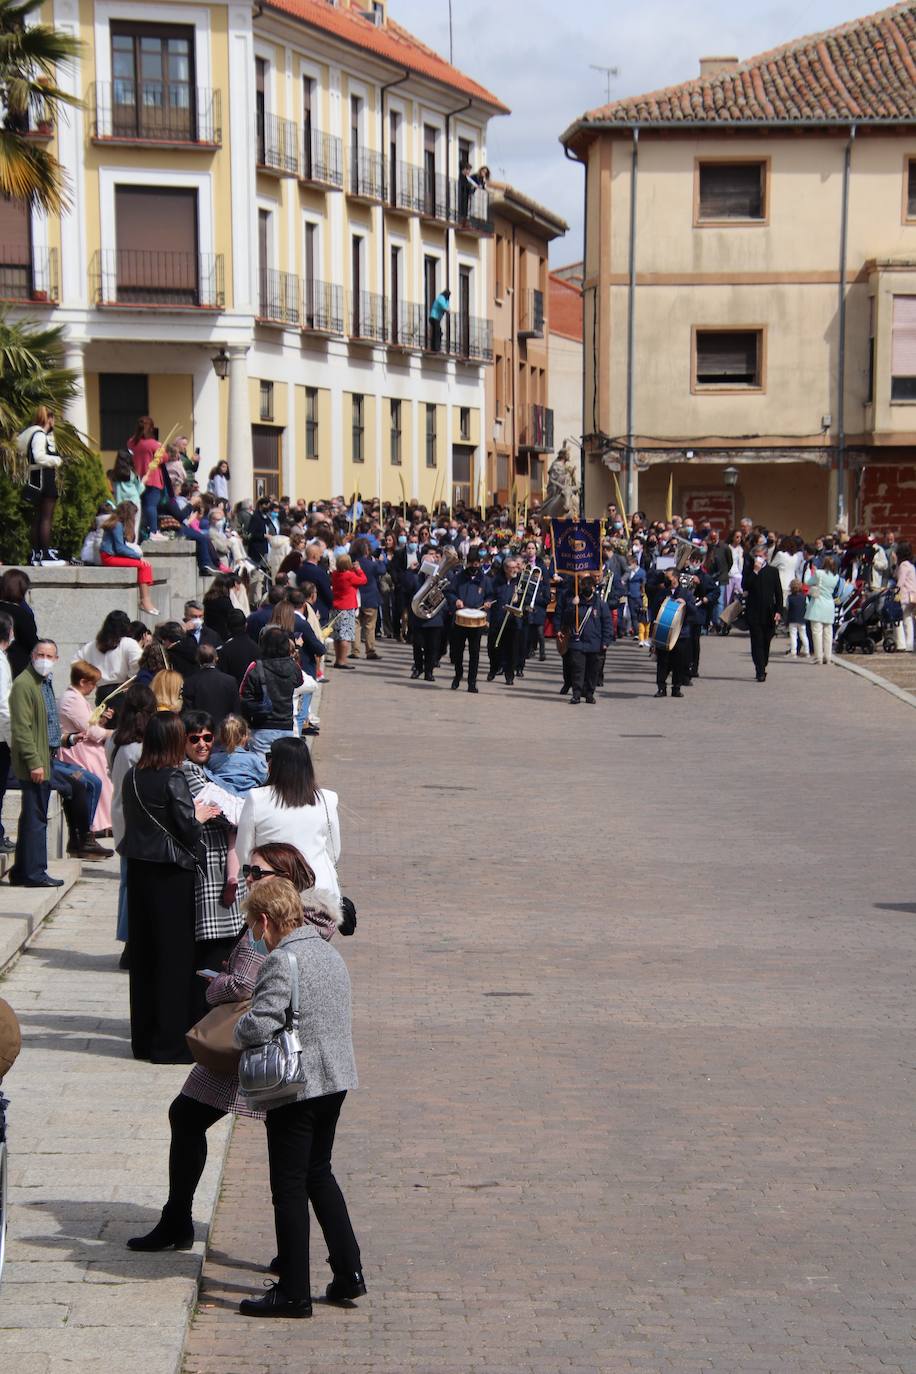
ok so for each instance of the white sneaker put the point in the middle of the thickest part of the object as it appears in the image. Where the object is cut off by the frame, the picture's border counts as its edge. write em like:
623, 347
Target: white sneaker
53, 562
158, 535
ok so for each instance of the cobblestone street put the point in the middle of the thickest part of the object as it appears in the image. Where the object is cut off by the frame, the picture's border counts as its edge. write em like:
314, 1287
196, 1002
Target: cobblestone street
634, 1023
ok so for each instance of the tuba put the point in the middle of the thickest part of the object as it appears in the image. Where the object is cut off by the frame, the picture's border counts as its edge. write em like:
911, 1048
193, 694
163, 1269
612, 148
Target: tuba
429, 599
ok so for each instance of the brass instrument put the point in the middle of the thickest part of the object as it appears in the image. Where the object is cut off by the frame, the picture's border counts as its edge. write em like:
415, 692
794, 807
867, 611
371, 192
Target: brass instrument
526, 590
431, 596
684, 549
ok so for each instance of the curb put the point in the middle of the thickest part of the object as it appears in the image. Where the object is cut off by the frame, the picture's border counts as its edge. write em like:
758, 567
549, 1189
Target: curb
895, 691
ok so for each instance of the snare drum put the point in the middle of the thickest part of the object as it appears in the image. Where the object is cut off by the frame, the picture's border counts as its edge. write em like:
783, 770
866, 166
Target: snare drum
467, 619
668, 624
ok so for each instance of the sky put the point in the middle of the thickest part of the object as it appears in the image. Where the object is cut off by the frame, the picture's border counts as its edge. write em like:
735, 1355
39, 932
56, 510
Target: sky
535, 55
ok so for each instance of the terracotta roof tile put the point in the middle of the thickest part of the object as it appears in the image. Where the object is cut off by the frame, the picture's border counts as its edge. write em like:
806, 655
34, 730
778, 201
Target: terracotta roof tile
864, 71
390, 42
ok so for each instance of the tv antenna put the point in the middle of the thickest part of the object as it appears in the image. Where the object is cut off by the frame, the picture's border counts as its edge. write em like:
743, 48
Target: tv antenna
609, 73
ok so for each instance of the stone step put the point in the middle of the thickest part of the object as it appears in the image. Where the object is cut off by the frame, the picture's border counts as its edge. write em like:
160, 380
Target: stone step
24, 909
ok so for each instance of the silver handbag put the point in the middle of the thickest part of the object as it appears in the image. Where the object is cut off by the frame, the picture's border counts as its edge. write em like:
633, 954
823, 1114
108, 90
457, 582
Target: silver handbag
273, 1073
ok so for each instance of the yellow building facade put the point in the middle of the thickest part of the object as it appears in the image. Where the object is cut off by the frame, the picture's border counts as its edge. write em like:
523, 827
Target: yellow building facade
278, 195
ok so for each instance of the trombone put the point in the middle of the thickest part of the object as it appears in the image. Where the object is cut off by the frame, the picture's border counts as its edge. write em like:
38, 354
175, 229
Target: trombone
523, 597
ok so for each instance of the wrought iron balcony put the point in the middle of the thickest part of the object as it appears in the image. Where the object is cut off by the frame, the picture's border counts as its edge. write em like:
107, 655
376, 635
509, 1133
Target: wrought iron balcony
322, 159
531, 315
279, 297
404, 186
366, 174
469, 209
406, 326
167, 281
366, 317
156, 112
28, 276
537, 431
434, 200
470, 339
322, 308
278, 145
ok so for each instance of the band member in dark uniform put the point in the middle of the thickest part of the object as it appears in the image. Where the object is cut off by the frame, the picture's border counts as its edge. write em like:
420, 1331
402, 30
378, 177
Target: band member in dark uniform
564, 593
676, 660
503, 656
427, 634
470, 590
762, 608
705, 591
537, 614
588, 641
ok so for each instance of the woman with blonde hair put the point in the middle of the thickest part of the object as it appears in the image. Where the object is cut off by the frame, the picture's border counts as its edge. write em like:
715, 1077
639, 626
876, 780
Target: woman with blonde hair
119, 550
166, 688
89, 754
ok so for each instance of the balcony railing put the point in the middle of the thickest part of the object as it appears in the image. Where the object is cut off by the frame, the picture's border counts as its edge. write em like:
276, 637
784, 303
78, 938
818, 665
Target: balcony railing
29, 277
322, 159
537, 432
278, 145
155, 112
406, 326
531, 315
169, 281
470, 338
469, 209
403, 185
366, 316
322, 308
366, 174
279, 297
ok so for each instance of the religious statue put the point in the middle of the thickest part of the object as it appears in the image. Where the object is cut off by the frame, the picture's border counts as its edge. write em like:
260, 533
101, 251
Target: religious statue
562, 499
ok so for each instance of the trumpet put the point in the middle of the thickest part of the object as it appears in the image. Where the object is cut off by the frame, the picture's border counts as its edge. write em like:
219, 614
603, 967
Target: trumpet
523, 597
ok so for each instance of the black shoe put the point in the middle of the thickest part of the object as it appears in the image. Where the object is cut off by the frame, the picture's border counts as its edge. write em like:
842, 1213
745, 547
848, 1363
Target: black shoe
275, 1303
456, 683
165, 1235
490, 677
676, 692
415, 672
589, 701
274, 1266
346, 1287
510, 681
761, 677
124, 961
564, 690
542, 658
472, 688
310, 730
574, 701
46, 881
7, 846
428, 677
662, 692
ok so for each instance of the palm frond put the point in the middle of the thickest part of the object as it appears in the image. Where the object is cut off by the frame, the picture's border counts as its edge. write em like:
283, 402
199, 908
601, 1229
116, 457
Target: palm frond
31, 173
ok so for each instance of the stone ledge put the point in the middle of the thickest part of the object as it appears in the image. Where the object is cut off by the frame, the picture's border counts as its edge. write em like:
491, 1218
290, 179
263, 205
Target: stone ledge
23, 910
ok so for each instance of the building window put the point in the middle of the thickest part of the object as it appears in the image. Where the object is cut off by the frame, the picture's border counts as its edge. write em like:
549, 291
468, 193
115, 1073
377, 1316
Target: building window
464, 422
266, 460
152, 87
311, 422
123, 398
731, 191
156, 261
903, 349
430, 436
266, 406
498, 267
911, 188
728, 359
395, 433
359, 428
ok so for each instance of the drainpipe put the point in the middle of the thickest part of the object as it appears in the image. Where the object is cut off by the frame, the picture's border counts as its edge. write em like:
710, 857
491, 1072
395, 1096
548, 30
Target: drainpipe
382, 93
584, 165
515, 324
841, 350
631, 324
450, 228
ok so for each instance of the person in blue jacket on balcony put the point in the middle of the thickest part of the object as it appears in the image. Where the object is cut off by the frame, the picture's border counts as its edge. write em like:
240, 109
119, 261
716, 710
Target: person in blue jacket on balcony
438, 310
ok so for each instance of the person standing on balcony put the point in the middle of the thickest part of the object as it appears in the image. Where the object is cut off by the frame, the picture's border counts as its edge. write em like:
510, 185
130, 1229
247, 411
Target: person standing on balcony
438, 310
144, 448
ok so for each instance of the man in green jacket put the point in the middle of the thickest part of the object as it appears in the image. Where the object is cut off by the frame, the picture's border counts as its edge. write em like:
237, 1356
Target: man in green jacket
36, 737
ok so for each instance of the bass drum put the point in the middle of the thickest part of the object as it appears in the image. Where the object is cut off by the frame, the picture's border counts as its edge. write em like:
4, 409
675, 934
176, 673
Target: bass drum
668, 624
469, 619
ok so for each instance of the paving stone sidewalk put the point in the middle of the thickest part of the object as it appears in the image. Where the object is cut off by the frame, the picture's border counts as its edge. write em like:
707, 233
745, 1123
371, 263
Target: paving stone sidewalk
634, 1024
89, 1140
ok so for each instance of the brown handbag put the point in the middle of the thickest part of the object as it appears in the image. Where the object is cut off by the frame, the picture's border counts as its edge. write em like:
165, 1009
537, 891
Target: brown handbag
211, 1041
10, 1038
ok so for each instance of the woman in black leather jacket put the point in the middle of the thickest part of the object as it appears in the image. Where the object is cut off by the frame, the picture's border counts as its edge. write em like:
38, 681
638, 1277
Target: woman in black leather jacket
162, 828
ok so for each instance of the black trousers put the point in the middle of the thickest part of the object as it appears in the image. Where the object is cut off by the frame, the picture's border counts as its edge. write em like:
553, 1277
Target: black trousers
536, 641
163, 1005
460, 637
300, 1139
761, 635
695, 649
427, 642
503, 658
675, 661
583, 673
190, 1121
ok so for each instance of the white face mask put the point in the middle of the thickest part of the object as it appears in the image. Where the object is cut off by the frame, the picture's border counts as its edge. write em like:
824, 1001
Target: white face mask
196, 623
44, 666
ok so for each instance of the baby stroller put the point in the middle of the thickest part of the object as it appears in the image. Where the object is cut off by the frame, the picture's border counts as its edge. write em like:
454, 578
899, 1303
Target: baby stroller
859, 624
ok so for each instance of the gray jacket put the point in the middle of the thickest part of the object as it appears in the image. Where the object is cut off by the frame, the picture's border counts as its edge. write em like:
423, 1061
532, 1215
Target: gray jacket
324, 1010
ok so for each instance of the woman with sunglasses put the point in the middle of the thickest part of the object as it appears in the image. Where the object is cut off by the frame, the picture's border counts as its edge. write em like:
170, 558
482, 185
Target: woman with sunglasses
216, 927
292, 809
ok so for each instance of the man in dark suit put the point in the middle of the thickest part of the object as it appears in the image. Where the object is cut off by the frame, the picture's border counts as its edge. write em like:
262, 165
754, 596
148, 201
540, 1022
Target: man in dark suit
239, 650
310, 571
195, 627
210, 689
763, 607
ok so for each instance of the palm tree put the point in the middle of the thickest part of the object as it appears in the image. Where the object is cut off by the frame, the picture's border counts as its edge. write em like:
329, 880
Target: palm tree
30, 55
32, 374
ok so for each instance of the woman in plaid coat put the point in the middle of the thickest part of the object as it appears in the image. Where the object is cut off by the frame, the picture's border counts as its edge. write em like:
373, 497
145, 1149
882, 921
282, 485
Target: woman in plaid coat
206, 1096
216, 927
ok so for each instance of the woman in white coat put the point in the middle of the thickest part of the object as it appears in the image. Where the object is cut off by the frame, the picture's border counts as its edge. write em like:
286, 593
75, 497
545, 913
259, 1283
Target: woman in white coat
905, 577
292, 809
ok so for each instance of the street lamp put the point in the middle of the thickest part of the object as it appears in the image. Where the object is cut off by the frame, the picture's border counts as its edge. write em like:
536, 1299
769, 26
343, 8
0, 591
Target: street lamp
221, 364
730, 477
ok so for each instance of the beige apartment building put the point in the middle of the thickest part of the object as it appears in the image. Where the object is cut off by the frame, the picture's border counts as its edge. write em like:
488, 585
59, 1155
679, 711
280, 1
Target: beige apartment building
520, 421
750, 285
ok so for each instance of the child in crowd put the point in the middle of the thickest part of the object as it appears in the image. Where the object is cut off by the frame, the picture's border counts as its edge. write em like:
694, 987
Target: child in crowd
636, 583
232, 764
796, 602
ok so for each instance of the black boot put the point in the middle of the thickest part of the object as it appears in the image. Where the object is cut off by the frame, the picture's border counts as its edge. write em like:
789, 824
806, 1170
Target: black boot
169, 1233
662, 692
456, 683
346, 1287
275, 1303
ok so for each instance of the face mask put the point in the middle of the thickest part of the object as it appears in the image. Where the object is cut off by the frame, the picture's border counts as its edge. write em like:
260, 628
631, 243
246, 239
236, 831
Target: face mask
759, 563
44, 666
197, 623
402, 540
259, 946
217, 524
411, 548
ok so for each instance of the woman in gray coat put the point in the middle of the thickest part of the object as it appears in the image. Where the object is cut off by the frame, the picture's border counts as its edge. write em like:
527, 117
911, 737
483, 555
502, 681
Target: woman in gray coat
300, 1134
